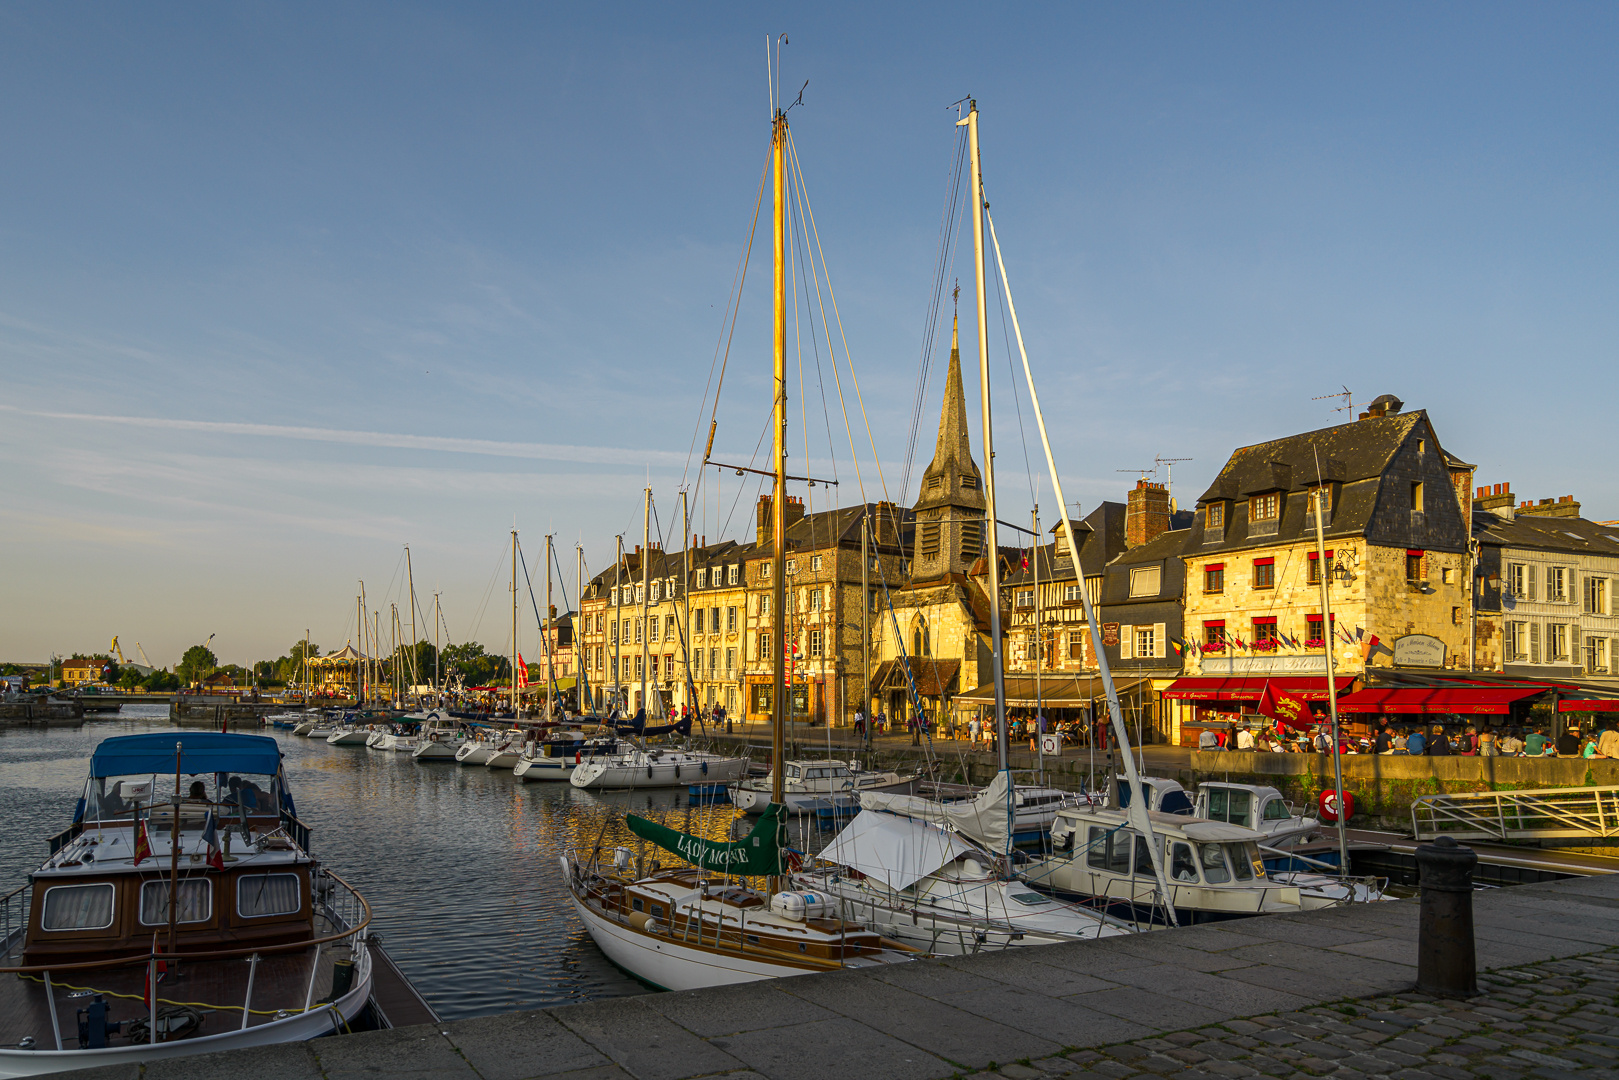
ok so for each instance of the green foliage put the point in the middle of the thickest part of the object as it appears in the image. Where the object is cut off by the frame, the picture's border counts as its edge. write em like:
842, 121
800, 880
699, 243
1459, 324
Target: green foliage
129, 678
161, 681
474, 666
198, 663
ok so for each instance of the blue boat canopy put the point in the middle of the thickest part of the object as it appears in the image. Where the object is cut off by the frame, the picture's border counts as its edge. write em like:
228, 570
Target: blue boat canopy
202, 752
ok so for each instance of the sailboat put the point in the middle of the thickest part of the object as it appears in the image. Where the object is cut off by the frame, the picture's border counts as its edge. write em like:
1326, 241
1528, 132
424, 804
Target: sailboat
642, 766
703, 924
991, 817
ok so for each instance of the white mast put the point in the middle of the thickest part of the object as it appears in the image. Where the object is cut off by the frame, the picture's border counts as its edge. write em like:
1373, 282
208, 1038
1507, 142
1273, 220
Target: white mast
550, 628
581, 685
991, 532
1137, 810
618, 621
515, 712
646, 560
1320, 498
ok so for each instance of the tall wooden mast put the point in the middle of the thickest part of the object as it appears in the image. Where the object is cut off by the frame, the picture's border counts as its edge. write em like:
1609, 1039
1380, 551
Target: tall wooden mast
778, 500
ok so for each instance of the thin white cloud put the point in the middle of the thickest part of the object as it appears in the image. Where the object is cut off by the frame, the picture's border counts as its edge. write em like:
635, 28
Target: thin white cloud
593, 455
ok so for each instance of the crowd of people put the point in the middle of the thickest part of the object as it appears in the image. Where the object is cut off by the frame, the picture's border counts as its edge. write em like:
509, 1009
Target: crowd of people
1428, 740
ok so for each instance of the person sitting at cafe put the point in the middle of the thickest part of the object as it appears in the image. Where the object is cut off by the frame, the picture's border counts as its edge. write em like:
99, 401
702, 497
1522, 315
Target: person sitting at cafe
1537, 744
1415, 742
1568, 743
1608, 741
1509, 744
1438, 744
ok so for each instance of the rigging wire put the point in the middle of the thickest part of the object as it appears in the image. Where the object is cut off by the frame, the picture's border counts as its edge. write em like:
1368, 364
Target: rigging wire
950, 218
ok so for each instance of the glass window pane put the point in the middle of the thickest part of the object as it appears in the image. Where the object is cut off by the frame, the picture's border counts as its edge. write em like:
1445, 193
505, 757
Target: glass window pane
1214, 864
78, 907
268, 894
196, 902
1096, 848
1240, 863
1217, 804
1182, 864
1118, 854
1143, 857
1238, 814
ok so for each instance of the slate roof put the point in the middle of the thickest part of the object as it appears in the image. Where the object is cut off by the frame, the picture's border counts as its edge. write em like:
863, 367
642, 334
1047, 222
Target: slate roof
1356, 460
1164, 551
1576, 536
1100, 536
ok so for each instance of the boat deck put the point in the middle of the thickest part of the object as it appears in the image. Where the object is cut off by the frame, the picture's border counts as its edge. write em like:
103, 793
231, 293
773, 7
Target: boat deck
216, 988
394, 999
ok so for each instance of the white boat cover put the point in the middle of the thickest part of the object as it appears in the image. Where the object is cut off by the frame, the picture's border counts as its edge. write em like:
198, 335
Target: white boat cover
986, 818
897, 850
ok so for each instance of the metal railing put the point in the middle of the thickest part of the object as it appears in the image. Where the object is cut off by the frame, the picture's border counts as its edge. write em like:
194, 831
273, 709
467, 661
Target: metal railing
1540, 814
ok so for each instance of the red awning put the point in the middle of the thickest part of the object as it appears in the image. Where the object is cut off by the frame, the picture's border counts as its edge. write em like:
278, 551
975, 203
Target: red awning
1462, 700
1252, 688
1589, 705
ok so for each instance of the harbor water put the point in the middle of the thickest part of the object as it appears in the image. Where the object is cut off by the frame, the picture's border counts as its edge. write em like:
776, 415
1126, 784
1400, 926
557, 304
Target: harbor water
460, 863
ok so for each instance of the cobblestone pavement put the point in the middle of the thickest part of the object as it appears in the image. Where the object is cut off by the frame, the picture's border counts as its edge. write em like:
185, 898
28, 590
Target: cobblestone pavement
1549, 1020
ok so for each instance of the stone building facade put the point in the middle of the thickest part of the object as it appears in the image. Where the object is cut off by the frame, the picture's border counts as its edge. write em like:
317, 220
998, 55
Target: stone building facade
1398, 564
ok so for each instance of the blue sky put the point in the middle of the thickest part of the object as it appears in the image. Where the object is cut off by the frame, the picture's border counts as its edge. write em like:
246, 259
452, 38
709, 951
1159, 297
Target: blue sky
285, 287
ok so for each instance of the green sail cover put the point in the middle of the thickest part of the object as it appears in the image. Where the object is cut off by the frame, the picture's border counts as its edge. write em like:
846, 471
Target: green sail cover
756, 855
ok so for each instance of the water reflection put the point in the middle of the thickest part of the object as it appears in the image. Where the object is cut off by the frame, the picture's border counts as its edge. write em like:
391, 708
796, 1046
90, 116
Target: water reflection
460, 863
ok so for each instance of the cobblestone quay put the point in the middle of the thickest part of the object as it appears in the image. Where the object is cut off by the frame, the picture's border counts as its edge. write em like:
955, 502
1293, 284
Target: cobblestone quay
1324, 994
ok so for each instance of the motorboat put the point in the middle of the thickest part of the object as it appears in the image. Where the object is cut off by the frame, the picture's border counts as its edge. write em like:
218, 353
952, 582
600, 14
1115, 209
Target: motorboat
308, 726
929, 887
555, 757
696, 926
392, 739
1257, 807
1213, 868
482, 746
180, 913
438, 743
819, 786
1163, 796
642, 767
349, 736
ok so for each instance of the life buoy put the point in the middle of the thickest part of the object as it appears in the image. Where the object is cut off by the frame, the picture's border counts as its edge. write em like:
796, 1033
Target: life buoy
1328, 804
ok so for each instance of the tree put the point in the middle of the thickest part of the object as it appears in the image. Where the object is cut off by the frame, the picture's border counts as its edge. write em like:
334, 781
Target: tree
197, 664
474, 666
129, 678
159, 681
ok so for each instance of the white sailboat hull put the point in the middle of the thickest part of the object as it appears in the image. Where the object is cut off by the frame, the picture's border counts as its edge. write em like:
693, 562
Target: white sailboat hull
434, 751
504, 759
299, 1027
355, 737
657, 774
555, 770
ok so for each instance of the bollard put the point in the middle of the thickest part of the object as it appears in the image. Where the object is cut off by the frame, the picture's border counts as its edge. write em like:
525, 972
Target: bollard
1446, 964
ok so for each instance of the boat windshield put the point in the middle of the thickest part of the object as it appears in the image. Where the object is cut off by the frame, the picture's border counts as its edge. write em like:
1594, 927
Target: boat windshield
112, 797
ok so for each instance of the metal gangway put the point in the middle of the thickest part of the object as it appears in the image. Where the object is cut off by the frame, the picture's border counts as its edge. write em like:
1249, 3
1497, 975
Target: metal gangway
1541, 814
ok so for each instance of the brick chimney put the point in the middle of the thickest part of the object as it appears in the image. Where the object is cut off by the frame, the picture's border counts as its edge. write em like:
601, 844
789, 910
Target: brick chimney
1146, 513
1563, 506
795, 514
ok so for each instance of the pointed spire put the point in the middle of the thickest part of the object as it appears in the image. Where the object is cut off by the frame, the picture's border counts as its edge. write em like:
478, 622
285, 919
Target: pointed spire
953, 478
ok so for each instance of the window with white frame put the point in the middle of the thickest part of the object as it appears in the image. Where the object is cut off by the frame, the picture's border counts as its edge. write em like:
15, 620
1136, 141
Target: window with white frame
652, 628
1023, 598
1517, 577
1144, 581
653, 599
1556, 584
730, 619
1146, 642
1070, 594
815, 562
702, 578
815, 599
1596, 655
730, 577
1516, 643
764, 571
730, 662
815, 640
792, 567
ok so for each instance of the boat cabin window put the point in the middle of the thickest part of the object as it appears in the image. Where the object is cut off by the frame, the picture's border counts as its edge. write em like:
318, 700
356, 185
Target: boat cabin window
258, 895
1108, 850
120, 796
636, 904
1175, 802
1143, 857
792, 771
1246, 861
196, 902
657, 911
78, 907
1031, 899
1182, 863
1230, 804
1276, 810
1215, 871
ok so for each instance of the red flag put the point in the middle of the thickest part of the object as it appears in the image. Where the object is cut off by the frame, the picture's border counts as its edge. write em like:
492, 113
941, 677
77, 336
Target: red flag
143, 846
1288, 710
522, 671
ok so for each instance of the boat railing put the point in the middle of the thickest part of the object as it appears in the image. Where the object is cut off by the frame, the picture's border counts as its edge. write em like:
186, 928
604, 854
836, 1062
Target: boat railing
296, 830
66, 836
14, 909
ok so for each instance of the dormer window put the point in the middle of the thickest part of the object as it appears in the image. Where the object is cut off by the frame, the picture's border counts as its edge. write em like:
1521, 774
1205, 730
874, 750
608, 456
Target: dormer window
702, 578
1265, 507
1215, 516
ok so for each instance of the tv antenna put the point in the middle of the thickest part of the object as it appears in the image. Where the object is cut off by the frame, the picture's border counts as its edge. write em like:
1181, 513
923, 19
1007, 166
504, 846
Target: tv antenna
1169, 473
1349, 402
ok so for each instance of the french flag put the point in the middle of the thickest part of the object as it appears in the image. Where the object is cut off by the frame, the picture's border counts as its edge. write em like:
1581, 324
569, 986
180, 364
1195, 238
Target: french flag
210, 837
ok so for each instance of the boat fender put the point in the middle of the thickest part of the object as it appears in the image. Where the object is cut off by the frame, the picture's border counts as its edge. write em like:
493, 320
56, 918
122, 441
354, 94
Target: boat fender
578, 756
705, 768
677, 771
649, 772
642, 921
